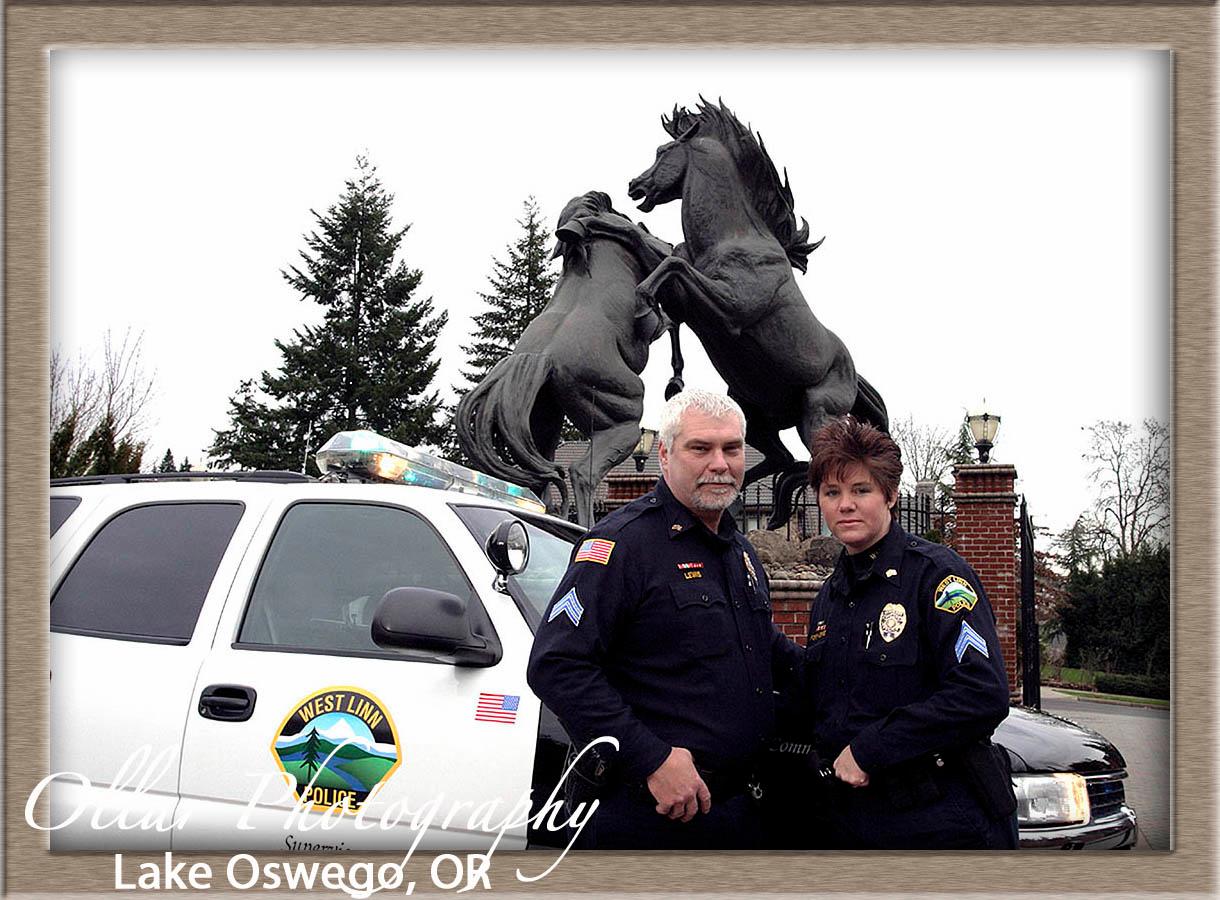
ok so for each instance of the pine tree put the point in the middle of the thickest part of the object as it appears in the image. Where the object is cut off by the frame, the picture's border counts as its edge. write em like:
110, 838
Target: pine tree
103, 453
167, 463
186, 464
312, 754
521, 287
369, 364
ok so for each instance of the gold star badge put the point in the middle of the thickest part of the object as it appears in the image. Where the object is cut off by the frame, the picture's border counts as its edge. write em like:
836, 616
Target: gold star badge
890, 573
675, 527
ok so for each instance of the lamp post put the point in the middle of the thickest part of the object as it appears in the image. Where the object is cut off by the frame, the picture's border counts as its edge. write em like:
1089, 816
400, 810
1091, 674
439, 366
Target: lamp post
983, 427
643, 448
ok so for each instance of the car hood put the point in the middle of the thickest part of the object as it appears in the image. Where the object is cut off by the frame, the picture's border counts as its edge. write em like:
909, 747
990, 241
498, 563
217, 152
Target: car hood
1040, 742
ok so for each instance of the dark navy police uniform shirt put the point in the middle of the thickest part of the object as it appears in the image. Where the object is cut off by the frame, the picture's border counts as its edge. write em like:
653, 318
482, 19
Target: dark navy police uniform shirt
903, 658
660, 635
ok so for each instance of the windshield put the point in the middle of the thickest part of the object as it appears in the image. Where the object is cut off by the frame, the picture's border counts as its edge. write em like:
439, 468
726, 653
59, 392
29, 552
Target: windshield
550, 552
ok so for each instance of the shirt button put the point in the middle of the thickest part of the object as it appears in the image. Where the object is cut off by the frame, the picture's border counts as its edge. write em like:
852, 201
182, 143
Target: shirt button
883, 657
704, 598
851, 604
758, 691
736, 604
748, 647
843, 640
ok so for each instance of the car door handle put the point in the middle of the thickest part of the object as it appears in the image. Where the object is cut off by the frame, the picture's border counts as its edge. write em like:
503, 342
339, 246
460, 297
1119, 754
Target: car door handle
227, 702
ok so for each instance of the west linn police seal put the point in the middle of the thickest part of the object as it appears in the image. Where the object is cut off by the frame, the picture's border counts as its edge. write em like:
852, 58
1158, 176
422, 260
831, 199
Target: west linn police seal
338, 744
893, 619
955, 594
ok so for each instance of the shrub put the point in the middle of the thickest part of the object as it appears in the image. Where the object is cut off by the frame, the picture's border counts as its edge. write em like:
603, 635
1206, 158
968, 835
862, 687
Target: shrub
1133, 685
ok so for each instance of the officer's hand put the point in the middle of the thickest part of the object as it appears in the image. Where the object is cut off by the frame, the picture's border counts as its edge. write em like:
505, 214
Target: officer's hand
847, 771
677, 787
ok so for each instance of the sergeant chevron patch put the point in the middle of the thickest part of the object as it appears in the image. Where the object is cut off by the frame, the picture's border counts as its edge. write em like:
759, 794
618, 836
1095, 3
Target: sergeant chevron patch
570, 604
969, 638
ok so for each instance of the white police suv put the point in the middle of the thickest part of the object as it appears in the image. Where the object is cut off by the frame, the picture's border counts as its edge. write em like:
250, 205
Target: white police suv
261, 660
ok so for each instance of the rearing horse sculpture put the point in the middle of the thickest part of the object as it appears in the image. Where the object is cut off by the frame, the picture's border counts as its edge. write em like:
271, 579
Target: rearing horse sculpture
732, 283
580, 357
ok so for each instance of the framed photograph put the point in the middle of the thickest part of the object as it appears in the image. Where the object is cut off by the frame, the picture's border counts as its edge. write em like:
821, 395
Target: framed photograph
1017, 206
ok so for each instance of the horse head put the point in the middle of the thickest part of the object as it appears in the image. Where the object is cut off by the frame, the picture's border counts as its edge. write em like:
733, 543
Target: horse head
662, 181
571, 233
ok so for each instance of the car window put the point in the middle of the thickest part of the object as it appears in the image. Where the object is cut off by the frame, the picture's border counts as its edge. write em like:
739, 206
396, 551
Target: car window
330, 564
145, 574
61, 508
550, 553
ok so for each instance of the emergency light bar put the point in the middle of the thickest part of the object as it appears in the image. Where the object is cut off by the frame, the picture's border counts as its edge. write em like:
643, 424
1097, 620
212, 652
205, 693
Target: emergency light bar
376, 457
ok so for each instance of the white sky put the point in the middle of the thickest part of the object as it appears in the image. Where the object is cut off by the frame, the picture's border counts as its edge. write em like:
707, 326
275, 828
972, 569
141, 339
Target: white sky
996, 222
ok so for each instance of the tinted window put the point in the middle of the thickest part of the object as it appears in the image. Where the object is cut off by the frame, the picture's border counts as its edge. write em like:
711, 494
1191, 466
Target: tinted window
330, 564
550, 553
61, 508
146, 573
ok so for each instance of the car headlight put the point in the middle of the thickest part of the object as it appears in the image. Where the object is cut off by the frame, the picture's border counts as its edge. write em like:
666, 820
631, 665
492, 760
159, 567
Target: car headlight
1058, 799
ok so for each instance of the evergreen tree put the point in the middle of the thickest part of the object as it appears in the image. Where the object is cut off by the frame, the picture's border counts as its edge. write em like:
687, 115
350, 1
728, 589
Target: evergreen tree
962, 451
521, 287
63, 440
312, 754
103, 453
167, 463
186, 464
367, 365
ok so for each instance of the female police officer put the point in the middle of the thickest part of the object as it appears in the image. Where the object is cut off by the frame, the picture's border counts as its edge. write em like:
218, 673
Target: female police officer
903, 668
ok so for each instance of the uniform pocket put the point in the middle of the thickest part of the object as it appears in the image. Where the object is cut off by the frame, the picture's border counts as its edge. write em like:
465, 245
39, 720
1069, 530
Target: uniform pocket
884, 656
702, 619
890, 677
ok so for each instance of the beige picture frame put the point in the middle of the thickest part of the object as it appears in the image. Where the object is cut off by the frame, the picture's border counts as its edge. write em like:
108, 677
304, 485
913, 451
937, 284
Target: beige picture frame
1187, 29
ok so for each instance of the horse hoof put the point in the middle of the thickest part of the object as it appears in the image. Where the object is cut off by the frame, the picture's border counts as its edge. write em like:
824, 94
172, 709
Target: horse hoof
675, 386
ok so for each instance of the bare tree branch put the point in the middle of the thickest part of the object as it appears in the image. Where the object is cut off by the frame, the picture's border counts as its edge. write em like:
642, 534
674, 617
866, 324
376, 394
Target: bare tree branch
1131, 471
83, 398
925, 450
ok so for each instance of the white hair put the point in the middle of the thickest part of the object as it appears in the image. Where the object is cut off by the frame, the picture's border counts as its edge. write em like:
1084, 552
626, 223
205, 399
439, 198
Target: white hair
707, 402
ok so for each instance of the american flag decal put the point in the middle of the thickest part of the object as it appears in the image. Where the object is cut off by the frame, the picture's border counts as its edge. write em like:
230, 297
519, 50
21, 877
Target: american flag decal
595, 550
497, 708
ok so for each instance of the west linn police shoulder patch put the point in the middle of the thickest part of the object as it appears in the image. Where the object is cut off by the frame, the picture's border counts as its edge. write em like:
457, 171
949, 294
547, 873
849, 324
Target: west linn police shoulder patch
337, 745
955, 594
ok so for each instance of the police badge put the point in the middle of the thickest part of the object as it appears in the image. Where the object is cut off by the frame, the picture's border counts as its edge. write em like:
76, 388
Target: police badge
893, 620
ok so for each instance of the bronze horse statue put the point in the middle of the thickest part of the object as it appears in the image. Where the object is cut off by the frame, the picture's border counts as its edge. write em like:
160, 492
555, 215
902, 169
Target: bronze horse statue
581, 357
732, 283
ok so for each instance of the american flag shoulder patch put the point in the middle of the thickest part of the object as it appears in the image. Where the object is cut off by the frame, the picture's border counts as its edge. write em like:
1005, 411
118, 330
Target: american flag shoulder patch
595, 550
497, 708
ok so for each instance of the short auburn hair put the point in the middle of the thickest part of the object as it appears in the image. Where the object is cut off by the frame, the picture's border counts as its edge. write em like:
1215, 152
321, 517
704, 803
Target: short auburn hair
844, 442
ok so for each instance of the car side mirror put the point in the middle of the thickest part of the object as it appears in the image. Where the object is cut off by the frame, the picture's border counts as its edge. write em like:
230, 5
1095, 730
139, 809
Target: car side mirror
508, 548
416, 618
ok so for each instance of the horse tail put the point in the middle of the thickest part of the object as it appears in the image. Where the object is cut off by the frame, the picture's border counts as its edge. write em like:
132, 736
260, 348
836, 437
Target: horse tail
492, 424
870, 407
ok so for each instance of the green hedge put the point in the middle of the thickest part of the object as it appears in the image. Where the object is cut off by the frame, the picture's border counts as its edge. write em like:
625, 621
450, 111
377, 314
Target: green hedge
1133, 685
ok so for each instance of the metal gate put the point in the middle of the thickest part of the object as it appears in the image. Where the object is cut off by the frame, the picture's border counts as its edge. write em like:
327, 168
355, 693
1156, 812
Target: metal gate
1027, 636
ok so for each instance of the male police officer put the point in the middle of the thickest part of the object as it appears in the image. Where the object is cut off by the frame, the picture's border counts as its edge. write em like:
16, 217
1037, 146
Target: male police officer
660, 635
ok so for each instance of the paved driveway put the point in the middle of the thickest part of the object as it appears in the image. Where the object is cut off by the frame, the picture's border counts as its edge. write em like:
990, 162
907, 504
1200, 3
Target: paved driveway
1142, 736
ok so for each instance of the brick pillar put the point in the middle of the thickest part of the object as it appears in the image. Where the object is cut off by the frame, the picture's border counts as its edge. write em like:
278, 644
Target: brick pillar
986, 536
